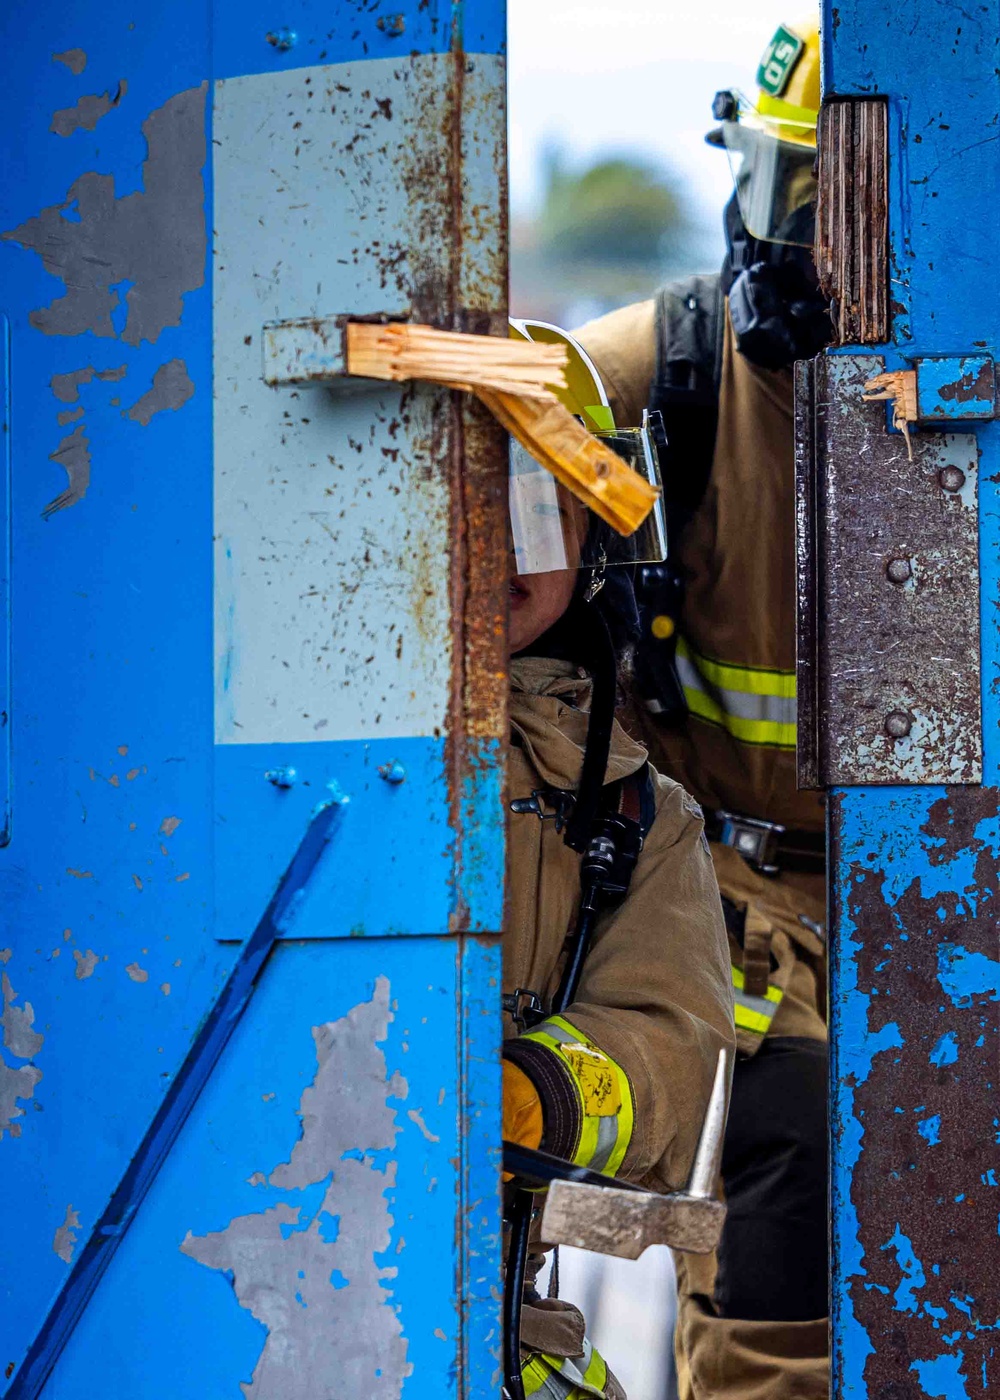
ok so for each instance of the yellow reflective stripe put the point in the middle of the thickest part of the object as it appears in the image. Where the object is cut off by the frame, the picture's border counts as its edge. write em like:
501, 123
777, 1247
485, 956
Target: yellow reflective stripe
753, 1013
751, 731
566, 1378
603, 1093
753, 680
756, 706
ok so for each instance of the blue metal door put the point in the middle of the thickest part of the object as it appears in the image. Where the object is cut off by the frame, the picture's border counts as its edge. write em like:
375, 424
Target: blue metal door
908, 547
251, 706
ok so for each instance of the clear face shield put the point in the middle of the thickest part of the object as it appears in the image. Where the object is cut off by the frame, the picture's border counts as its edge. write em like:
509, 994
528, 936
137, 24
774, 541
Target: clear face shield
773, 164
550, 528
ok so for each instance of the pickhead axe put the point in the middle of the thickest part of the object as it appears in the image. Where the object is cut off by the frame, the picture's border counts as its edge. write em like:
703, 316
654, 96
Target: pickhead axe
611, 1216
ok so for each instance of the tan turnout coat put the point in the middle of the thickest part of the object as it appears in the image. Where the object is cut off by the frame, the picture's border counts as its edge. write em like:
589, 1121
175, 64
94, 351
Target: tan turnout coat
656, 991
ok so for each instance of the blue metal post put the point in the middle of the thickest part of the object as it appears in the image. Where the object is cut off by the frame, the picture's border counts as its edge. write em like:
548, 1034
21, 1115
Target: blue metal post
915, 951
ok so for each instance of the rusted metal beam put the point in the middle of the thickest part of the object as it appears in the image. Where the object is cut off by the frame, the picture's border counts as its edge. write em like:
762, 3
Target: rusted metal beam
915, 1012
888, 573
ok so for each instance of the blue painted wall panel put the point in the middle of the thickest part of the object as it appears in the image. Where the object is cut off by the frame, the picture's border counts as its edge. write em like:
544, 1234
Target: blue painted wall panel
140, 847
106, 895
398, 831
357, 29
4, 581
369, 1219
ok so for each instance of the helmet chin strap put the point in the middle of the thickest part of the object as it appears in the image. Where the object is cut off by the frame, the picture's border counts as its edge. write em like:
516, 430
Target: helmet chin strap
600, 662
778, 313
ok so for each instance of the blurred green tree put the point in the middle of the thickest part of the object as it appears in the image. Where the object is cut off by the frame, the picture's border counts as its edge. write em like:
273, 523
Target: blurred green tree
619, 209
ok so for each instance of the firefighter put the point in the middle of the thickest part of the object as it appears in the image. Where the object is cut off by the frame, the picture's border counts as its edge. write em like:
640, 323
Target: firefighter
715, 704
619, 1080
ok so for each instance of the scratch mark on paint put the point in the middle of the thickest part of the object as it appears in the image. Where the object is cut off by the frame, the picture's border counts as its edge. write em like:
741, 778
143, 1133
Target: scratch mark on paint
326, 1259
64, 1240
415, 1116
152, 240
74, 59
172, 387
85, 963
73, 455
87, 112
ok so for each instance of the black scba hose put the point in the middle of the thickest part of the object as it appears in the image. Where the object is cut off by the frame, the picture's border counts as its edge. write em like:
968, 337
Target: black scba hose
599, 853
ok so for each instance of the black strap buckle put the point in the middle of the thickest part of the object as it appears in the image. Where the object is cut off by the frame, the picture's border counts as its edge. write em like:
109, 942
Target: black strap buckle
755, 840
524, 1007
560, 802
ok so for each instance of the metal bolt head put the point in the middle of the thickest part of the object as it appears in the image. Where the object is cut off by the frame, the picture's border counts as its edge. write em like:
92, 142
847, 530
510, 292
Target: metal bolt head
951, 478
898, 724
282, 39
724, 106
281, 777
393, 772
899, 570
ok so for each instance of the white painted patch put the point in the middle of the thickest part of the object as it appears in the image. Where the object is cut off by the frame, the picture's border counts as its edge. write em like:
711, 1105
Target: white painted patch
332, 614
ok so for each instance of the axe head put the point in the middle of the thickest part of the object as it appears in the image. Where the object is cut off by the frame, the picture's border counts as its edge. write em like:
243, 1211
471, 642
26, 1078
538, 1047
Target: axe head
609, 1221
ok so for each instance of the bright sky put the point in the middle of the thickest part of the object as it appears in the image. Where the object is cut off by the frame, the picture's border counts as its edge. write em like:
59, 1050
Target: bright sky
638, 75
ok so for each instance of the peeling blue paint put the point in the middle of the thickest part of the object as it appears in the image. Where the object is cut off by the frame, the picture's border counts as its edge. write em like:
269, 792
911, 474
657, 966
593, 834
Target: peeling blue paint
930, 1129
945, 1052
964, 975
911, 1269
942, 1376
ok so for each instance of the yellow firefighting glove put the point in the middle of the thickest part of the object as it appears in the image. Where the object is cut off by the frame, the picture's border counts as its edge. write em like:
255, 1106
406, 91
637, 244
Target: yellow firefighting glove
523, 1119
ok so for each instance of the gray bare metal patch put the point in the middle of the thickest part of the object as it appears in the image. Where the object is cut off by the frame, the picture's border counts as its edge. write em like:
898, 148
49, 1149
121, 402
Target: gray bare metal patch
17, 1021
22, 1043
64, 1239
73, 455
85, 963
74, 59
314, 1281
66, 387
153, 241
87, 112
172, 387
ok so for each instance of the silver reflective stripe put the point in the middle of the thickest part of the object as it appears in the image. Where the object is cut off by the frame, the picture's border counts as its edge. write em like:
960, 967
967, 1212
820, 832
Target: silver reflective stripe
558, 1033
775, 709
607, 1138
758, 1005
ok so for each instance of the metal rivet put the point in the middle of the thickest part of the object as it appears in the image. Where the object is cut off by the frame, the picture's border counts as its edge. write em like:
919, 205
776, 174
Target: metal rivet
898, 724
951, 478
899, 570
393, 772
281, 777
282, 39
